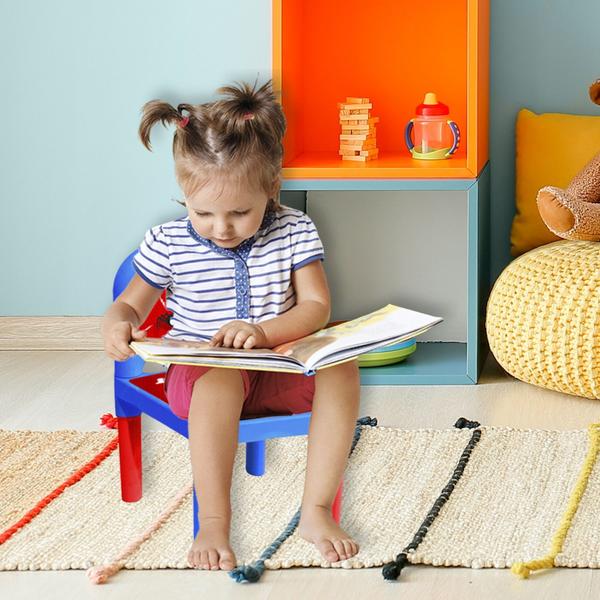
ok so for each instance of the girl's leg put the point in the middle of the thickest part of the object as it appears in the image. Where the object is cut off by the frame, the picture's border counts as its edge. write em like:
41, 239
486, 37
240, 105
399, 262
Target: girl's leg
213, 425
334, 413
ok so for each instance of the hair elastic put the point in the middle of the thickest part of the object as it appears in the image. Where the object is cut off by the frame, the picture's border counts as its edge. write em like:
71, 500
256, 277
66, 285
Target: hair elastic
184, 121
248, 116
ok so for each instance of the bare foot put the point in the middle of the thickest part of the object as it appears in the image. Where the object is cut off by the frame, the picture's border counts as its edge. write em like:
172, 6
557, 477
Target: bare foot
318, 526
211, 549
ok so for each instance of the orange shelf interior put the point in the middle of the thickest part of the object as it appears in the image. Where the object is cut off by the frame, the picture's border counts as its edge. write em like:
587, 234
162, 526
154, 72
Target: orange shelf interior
390, 51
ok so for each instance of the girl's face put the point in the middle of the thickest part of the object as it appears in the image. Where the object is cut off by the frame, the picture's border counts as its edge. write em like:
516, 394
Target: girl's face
228, 218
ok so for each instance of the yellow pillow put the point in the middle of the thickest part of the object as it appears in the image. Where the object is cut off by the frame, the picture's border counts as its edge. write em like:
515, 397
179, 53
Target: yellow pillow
551, 148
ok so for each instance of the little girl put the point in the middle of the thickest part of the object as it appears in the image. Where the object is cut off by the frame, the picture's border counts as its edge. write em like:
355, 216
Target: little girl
242, 271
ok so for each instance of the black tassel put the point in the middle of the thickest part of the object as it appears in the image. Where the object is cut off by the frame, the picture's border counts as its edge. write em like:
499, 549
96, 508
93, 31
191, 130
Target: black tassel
463, 423
391, 570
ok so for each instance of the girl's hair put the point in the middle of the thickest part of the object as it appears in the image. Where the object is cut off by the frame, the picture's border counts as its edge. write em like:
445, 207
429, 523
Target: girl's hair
237, 139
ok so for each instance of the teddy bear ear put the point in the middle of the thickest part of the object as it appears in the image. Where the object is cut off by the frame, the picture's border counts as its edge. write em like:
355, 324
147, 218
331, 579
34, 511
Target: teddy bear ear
595, 91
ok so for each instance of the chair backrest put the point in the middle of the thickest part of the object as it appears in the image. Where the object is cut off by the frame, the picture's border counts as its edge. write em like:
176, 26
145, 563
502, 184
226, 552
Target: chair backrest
157, 322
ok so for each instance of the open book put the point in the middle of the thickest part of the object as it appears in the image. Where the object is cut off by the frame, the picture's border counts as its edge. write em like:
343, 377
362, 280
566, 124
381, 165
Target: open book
325, 348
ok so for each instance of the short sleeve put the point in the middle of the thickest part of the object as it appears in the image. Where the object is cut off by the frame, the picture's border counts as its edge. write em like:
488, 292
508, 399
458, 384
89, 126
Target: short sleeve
152, 262
306, 243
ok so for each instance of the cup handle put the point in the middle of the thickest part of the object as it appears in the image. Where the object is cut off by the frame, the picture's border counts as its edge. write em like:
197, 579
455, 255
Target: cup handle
407, 135
455, 135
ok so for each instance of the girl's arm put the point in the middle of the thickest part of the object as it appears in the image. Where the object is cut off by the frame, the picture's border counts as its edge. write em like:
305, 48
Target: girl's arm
312, 309
125, 315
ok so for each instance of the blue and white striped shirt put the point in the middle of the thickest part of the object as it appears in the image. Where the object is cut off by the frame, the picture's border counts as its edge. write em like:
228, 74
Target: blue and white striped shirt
208, 286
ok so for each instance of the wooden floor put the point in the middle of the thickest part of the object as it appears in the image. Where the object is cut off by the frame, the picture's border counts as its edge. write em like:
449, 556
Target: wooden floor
64, 390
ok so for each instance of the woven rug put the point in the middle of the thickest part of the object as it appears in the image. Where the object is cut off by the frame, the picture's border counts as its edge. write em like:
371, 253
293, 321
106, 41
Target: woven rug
475, 497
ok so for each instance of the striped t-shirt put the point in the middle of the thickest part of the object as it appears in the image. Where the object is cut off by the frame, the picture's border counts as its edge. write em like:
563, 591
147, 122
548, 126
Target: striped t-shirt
209, 286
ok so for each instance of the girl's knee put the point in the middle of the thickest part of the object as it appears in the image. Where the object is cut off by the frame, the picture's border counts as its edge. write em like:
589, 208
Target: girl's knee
345, 376
221, 382
345, 369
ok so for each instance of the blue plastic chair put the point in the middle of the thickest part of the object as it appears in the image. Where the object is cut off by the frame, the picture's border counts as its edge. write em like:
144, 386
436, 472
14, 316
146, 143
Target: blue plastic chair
137, 393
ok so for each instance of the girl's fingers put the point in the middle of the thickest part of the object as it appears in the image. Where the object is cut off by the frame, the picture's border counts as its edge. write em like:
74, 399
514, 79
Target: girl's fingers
229, 337
217, 338
120, 352
239, 339
250, 342
117, 356
232, 337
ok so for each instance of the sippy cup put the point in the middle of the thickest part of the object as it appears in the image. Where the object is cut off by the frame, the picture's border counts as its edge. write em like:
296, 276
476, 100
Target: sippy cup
436, 135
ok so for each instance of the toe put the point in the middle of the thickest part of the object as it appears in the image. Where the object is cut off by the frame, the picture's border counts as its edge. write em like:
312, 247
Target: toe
227, 561
204, 559
328, 551
348, 549
339, 548
213, 559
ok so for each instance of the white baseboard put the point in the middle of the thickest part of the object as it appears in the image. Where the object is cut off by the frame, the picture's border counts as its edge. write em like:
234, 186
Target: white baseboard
50, 333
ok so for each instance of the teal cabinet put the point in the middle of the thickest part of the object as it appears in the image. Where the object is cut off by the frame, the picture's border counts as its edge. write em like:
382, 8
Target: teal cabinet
436, 261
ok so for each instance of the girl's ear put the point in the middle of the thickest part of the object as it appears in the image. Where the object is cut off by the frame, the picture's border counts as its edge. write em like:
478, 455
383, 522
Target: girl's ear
276, 188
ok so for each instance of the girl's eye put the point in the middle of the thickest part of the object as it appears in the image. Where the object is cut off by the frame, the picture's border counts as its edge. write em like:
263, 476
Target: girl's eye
236, 213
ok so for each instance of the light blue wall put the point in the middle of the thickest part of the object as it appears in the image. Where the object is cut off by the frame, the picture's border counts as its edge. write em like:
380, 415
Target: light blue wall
77, 188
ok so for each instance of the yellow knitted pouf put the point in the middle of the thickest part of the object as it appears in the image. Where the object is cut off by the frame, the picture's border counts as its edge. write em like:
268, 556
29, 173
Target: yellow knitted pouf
543, 318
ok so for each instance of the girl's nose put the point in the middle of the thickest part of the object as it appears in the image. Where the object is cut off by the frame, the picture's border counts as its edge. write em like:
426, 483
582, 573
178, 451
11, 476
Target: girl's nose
222, 229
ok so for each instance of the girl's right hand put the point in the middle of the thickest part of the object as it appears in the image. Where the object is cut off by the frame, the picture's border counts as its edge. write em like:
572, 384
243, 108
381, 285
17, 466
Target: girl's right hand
116, 340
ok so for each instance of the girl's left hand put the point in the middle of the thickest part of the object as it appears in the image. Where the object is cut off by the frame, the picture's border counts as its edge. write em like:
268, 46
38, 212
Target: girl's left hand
240, 334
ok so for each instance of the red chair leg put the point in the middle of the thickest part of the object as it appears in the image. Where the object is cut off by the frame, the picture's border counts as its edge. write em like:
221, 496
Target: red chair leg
336, 507
130, 457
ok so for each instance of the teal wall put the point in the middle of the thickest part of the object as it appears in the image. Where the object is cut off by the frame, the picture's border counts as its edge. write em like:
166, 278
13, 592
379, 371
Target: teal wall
78, 189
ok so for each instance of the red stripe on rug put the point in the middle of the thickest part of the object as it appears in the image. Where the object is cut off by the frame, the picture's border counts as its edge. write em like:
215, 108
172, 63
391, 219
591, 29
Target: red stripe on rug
107, 420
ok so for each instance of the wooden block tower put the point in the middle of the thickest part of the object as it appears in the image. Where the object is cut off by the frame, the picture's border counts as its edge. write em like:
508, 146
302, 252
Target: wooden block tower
357, 140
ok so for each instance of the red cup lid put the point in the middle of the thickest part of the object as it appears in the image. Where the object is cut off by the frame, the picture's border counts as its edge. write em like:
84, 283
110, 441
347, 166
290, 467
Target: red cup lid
430, 106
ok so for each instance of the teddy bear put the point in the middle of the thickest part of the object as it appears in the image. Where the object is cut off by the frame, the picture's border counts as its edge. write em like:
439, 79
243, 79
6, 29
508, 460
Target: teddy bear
574, 213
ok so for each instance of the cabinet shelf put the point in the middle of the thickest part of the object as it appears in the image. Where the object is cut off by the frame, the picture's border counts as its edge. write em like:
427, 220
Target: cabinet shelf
393, 52
434, 363
388, 164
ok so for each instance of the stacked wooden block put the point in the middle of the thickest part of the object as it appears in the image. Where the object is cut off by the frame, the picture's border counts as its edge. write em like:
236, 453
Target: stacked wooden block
357, 140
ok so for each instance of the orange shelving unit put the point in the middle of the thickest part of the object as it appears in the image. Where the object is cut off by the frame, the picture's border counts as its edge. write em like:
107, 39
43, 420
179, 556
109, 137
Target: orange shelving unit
393, 52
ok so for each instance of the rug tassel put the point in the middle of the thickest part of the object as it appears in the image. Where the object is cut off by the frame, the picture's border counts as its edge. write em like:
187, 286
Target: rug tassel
523, 570
99, 574
248, 573
391, 570
109, 421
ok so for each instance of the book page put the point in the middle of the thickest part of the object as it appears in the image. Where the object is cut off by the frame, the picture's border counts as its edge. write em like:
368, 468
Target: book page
167, 348
379, 328
352, 338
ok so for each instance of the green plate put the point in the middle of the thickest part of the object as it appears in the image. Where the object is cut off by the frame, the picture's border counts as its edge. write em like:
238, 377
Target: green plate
379, 359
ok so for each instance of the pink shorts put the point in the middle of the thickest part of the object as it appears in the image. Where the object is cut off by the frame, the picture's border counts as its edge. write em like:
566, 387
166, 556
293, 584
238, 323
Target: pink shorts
265, 392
